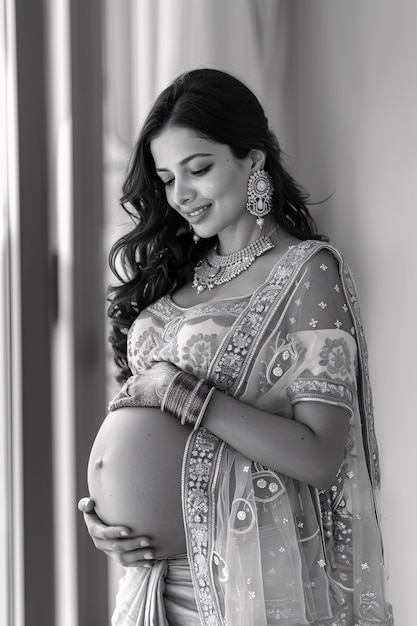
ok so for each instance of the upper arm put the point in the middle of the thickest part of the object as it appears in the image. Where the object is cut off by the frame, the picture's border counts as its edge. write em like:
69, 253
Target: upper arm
323, 331
323, 388
330, 425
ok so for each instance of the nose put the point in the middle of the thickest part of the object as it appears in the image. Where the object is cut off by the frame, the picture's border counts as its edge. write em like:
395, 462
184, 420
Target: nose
183, 192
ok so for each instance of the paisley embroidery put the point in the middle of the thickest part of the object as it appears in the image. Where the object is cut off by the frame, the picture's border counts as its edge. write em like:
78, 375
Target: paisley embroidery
282, 354
141, 347
267, 486
242, 516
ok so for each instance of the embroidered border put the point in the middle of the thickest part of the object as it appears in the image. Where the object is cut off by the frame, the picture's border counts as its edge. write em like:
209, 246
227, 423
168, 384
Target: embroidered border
236, 355
324, 390
199, 475
368, 425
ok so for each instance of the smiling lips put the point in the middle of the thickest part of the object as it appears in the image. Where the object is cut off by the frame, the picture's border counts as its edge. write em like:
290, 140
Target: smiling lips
190, 216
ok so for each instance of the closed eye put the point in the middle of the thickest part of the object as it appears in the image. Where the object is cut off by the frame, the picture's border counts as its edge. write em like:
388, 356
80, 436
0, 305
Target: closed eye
199, 172
202, 171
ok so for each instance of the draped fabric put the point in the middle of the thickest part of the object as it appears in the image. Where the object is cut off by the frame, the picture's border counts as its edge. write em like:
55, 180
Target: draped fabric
264, 548
159, 596
247, 38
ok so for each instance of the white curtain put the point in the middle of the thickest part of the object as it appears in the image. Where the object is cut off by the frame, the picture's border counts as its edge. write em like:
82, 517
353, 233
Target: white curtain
247, 38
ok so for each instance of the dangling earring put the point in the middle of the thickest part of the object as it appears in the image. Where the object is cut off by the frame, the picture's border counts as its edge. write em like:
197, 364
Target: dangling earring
260, 192
196, 238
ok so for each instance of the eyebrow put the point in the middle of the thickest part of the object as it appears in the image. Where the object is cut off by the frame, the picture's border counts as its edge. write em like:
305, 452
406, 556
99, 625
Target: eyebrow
186, 160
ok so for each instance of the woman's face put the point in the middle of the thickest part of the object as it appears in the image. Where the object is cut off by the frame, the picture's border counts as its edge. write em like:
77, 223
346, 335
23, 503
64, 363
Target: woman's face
206, 184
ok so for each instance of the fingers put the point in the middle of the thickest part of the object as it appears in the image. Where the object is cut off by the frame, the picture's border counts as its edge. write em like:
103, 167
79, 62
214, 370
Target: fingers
129, 555
126, 401
95, 525
100, 531
115, 541
86, 505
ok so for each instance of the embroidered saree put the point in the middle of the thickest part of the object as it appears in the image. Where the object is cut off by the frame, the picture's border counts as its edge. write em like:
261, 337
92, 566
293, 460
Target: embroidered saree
264, 548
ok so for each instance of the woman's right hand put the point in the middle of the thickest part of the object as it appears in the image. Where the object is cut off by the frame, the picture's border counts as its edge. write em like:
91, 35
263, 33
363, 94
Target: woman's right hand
115, 541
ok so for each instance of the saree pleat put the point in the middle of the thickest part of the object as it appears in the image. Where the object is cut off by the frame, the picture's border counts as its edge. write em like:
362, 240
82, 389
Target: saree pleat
162, 595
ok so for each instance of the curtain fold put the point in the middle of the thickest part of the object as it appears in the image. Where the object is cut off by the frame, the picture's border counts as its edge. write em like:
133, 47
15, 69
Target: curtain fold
247, 38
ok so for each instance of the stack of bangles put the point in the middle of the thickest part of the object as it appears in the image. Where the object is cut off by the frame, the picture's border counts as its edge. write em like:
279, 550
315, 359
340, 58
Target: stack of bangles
187, 400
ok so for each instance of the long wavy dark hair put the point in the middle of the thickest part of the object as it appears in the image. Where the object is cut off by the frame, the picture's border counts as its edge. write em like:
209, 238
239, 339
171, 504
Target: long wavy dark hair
158, 254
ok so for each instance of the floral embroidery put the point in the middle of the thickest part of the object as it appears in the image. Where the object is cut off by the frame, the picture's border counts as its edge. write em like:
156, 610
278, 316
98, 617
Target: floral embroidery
336, 357
198, 353
370, 607
202, 453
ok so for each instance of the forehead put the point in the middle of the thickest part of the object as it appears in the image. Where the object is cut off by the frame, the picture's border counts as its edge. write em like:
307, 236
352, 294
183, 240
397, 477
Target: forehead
175, 144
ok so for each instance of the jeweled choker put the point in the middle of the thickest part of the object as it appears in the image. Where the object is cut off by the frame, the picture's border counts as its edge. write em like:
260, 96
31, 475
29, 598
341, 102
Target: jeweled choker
218, 269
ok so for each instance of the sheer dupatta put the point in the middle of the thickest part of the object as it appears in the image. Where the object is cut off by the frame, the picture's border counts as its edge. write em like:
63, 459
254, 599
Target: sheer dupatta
264, 548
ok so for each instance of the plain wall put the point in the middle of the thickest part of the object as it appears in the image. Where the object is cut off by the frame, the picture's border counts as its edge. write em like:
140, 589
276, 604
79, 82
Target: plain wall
354, 103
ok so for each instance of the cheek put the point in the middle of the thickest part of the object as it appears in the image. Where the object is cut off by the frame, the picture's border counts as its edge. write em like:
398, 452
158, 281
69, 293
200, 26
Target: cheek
210, 189
229, 186
170, 200
225, 186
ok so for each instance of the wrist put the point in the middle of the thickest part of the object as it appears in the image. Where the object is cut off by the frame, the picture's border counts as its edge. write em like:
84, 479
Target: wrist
187, 398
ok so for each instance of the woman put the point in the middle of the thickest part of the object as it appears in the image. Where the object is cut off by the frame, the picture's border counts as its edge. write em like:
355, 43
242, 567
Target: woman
243, 324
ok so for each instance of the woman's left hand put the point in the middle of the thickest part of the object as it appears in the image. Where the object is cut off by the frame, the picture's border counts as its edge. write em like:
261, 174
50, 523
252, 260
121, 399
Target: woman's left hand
146, 388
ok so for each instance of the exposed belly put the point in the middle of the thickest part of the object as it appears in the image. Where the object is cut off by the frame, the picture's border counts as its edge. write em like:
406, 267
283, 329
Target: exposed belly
134, 475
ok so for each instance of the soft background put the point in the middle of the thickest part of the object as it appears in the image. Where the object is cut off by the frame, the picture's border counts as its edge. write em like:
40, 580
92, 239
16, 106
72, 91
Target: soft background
338, 81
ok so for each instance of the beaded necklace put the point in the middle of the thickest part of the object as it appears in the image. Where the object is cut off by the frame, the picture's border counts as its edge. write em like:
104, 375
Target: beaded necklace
217, 269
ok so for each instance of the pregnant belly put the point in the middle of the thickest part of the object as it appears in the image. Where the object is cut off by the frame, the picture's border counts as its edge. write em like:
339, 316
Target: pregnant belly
134, 475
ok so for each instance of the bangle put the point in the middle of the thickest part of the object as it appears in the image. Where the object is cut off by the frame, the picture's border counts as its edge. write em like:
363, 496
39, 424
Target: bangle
199, 419
187, 399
